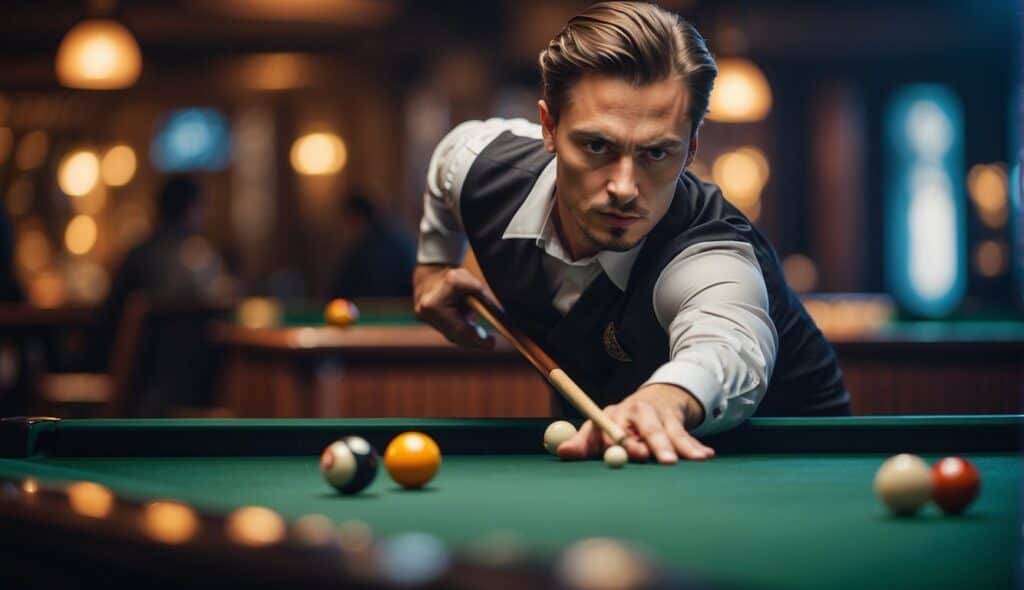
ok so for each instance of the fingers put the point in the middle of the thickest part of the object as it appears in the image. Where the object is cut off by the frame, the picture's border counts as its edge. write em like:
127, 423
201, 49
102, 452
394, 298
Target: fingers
442, 306
584, 444
652, 431
635, 447
685, 444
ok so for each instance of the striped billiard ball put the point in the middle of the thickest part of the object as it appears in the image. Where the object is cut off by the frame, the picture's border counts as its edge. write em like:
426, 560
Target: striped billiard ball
349, 464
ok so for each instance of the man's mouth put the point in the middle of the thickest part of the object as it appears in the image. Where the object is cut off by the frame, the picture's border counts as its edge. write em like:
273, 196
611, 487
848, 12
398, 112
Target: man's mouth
615, 219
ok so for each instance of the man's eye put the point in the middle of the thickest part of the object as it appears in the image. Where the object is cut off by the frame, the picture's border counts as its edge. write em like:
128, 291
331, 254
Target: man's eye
657, 154
596, 146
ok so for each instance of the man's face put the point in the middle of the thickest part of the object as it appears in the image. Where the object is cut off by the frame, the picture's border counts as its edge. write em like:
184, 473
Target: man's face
620, 150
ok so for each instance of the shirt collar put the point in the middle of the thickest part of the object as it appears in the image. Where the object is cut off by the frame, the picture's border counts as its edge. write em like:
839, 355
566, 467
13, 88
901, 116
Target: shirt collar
533, 221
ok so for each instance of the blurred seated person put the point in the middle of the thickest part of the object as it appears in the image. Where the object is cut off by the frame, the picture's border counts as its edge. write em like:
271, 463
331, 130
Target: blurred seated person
10, 290
381, 258
12, 362
174, 265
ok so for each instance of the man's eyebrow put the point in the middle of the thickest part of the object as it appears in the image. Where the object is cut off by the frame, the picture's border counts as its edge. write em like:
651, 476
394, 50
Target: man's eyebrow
589, 134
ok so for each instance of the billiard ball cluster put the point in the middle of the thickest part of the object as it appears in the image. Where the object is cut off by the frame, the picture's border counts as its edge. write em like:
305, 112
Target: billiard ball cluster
349, 464
560, 431
905, 483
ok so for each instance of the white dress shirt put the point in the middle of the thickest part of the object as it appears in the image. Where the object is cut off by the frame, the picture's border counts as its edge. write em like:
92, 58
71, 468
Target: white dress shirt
710, 299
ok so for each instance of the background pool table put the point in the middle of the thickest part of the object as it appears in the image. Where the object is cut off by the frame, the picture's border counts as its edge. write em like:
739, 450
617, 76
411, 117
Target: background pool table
787, 503
389, 364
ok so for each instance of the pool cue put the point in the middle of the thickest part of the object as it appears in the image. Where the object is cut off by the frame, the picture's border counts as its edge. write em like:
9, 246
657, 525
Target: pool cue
547, 367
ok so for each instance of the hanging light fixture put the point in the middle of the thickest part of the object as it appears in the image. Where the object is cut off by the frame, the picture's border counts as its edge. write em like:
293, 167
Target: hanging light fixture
742, 93
98, 54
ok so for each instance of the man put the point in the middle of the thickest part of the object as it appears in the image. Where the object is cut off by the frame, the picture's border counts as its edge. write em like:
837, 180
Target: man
173, 264
381, 259
646, 286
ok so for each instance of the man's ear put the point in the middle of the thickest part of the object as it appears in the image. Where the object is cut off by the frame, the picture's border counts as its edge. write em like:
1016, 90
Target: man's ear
691, 153
547, 124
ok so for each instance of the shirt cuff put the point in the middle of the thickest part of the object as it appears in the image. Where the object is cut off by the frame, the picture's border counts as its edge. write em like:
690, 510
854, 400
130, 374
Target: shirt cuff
700, 383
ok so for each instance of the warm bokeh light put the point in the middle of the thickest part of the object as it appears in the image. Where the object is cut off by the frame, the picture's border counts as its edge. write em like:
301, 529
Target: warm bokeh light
33, 251
990, 258
255, 526
276, 71
760, 161
741, 93
259, 312
30, 486
98, 54
32, 150
988, 186
314, 529
118, 165
801, 273
6, 143
741, 175
318, 153
170, 522
91, 499
80, 235
46, 290
78, 173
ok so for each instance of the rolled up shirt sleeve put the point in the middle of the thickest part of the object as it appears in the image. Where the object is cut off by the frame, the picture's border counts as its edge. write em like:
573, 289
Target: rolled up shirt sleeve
712, 301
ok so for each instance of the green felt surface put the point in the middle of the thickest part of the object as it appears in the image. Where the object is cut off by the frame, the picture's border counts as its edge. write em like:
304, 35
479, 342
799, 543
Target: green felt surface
770, 521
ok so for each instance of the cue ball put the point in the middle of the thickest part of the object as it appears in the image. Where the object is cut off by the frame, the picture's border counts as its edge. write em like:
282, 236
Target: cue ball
904, 483
412, 459
341, 312
615, 456
556, 434
349, 464
955, 484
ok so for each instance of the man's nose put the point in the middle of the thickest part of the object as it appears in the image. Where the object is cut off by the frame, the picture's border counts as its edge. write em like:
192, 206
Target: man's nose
622, 185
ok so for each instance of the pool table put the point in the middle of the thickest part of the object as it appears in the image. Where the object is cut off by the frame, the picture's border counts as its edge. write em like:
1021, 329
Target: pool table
786, 503
389, 364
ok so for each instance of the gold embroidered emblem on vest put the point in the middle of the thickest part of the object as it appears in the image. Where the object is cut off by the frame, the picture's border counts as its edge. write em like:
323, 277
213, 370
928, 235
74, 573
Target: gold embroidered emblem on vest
612, 346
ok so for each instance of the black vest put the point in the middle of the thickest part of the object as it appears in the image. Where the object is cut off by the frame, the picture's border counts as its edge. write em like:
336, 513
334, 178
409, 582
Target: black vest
610, 342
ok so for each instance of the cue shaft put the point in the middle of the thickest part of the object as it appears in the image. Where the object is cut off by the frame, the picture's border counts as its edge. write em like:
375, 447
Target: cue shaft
547, 367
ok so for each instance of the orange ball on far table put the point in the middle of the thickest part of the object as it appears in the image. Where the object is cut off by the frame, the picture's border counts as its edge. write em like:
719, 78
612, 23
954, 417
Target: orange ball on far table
341, 312
412, 459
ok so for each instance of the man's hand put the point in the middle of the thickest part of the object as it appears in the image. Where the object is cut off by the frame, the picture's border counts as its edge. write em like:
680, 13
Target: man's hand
656, 419
439, 293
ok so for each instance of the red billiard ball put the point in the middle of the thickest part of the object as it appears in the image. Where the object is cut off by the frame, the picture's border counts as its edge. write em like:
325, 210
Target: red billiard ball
955, 484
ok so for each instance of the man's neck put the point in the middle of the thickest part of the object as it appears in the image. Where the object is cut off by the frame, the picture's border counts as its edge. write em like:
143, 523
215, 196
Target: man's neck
576, 244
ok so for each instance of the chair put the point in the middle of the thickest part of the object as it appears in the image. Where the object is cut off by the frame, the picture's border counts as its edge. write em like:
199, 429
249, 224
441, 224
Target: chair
162, 364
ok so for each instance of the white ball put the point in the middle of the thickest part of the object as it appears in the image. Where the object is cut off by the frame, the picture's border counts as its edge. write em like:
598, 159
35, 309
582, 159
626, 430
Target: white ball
904, 483
615, 456
556, 434
338, 464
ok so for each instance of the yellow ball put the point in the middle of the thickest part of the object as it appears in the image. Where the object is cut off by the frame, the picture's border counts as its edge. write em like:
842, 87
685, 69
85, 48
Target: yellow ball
341, 312
412, 459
